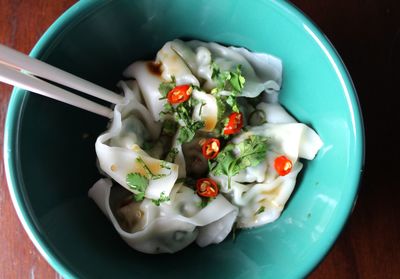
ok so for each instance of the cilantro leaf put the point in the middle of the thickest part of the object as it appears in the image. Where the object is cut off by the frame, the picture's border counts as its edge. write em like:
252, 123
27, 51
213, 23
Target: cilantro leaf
138, 183
169, 127
172, 155
139, 197
149, 173
187, 133
230, 81
205, 201
163, 198
164, 165
260, 210
236, 157
231, 101
236, 80
165, 87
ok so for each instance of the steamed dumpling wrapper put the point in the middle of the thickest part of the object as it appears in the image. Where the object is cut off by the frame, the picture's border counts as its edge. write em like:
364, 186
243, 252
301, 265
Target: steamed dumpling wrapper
168, 64
169, 227
263, 196
190, 61
263, 72
118, 150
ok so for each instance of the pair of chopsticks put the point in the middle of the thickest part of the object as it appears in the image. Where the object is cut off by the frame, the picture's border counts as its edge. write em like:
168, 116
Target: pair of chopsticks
22, 71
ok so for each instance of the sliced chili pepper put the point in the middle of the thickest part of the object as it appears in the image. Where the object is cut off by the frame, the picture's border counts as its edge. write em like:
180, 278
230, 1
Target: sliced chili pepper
283, 165
235, 123
210, 148
179, 94
206, 187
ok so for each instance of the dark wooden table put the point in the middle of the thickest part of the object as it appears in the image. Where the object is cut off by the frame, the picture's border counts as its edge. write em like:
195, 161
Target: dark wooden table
367, 35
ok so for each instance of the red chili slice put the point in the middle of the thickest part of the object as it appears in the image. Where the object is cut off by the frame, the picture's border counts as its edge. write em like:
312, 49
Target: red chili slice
283, 165
206, 187
235, 123
179, 94
210, 148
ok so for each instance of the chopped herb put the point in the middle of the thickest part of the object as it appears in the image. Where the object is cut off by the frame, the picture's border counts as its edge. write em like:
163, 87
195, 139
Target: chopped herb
182, 114
229, 81
164, 165
149, 173
201, 107
169, 127
172, 155
192, 102
232, 102
229, 162
138, 183
221, 106
163, 198
236, 80
260, 210
187, 133
139, 197
180, 180
204, 202
165, 87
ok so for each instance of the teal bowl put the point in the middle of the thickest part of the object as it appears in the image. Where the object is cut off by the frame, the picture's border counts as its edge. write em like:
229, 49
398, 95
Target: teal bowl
51, 162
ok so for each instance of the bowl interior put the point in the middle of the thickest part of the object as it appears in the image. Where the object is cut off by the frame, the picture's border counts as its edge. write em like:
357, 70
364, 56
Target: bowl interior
50, 155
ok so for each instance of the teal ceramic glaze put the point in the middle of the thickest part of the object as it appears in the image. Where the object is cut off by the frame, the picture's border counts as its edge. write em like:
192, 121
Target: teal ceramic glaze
51, 163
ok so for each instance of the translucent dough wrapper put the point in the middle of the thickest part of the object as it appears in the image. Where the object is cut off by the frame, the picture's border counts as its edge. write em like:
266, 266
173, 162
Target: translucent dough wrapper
118, 161
171, 226
263, 72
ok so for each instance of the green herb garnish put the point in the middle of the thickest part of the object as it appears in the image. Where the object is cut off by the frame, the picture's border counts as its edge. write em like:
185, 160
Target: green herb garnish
204, 202
165, 87
230, 81
163, 198
182, 115
260, 210
169, 127
172, 155
236, 157
149, 173
164, 165
138, 183
187, 133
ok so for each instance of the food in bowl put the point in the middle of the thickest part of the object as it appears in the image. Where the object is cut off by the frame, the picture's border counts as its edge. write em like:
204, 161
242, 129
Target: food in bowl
200, 146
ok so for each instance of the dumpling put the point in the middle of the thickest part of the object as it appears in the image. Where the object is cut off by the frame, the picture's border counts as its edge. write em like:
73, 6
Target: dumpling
166, 228
263, 196
263, 72
120, 160
149, 80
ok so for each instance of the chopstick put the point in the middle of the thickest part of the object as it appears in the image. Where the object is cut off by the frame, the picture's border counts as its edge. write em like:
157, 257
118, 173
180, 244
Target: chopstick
41, 69
11, 61
16, 78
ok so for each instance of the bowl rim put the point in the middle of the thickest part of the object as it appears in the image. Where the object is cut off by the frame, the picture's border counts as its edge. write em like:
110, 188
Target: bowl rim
82, 10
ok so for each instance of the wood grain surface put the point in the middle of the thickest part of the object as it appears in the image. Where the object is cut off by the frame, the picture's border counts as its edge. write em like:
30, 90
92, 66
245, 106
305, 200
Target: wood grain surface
366, 33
